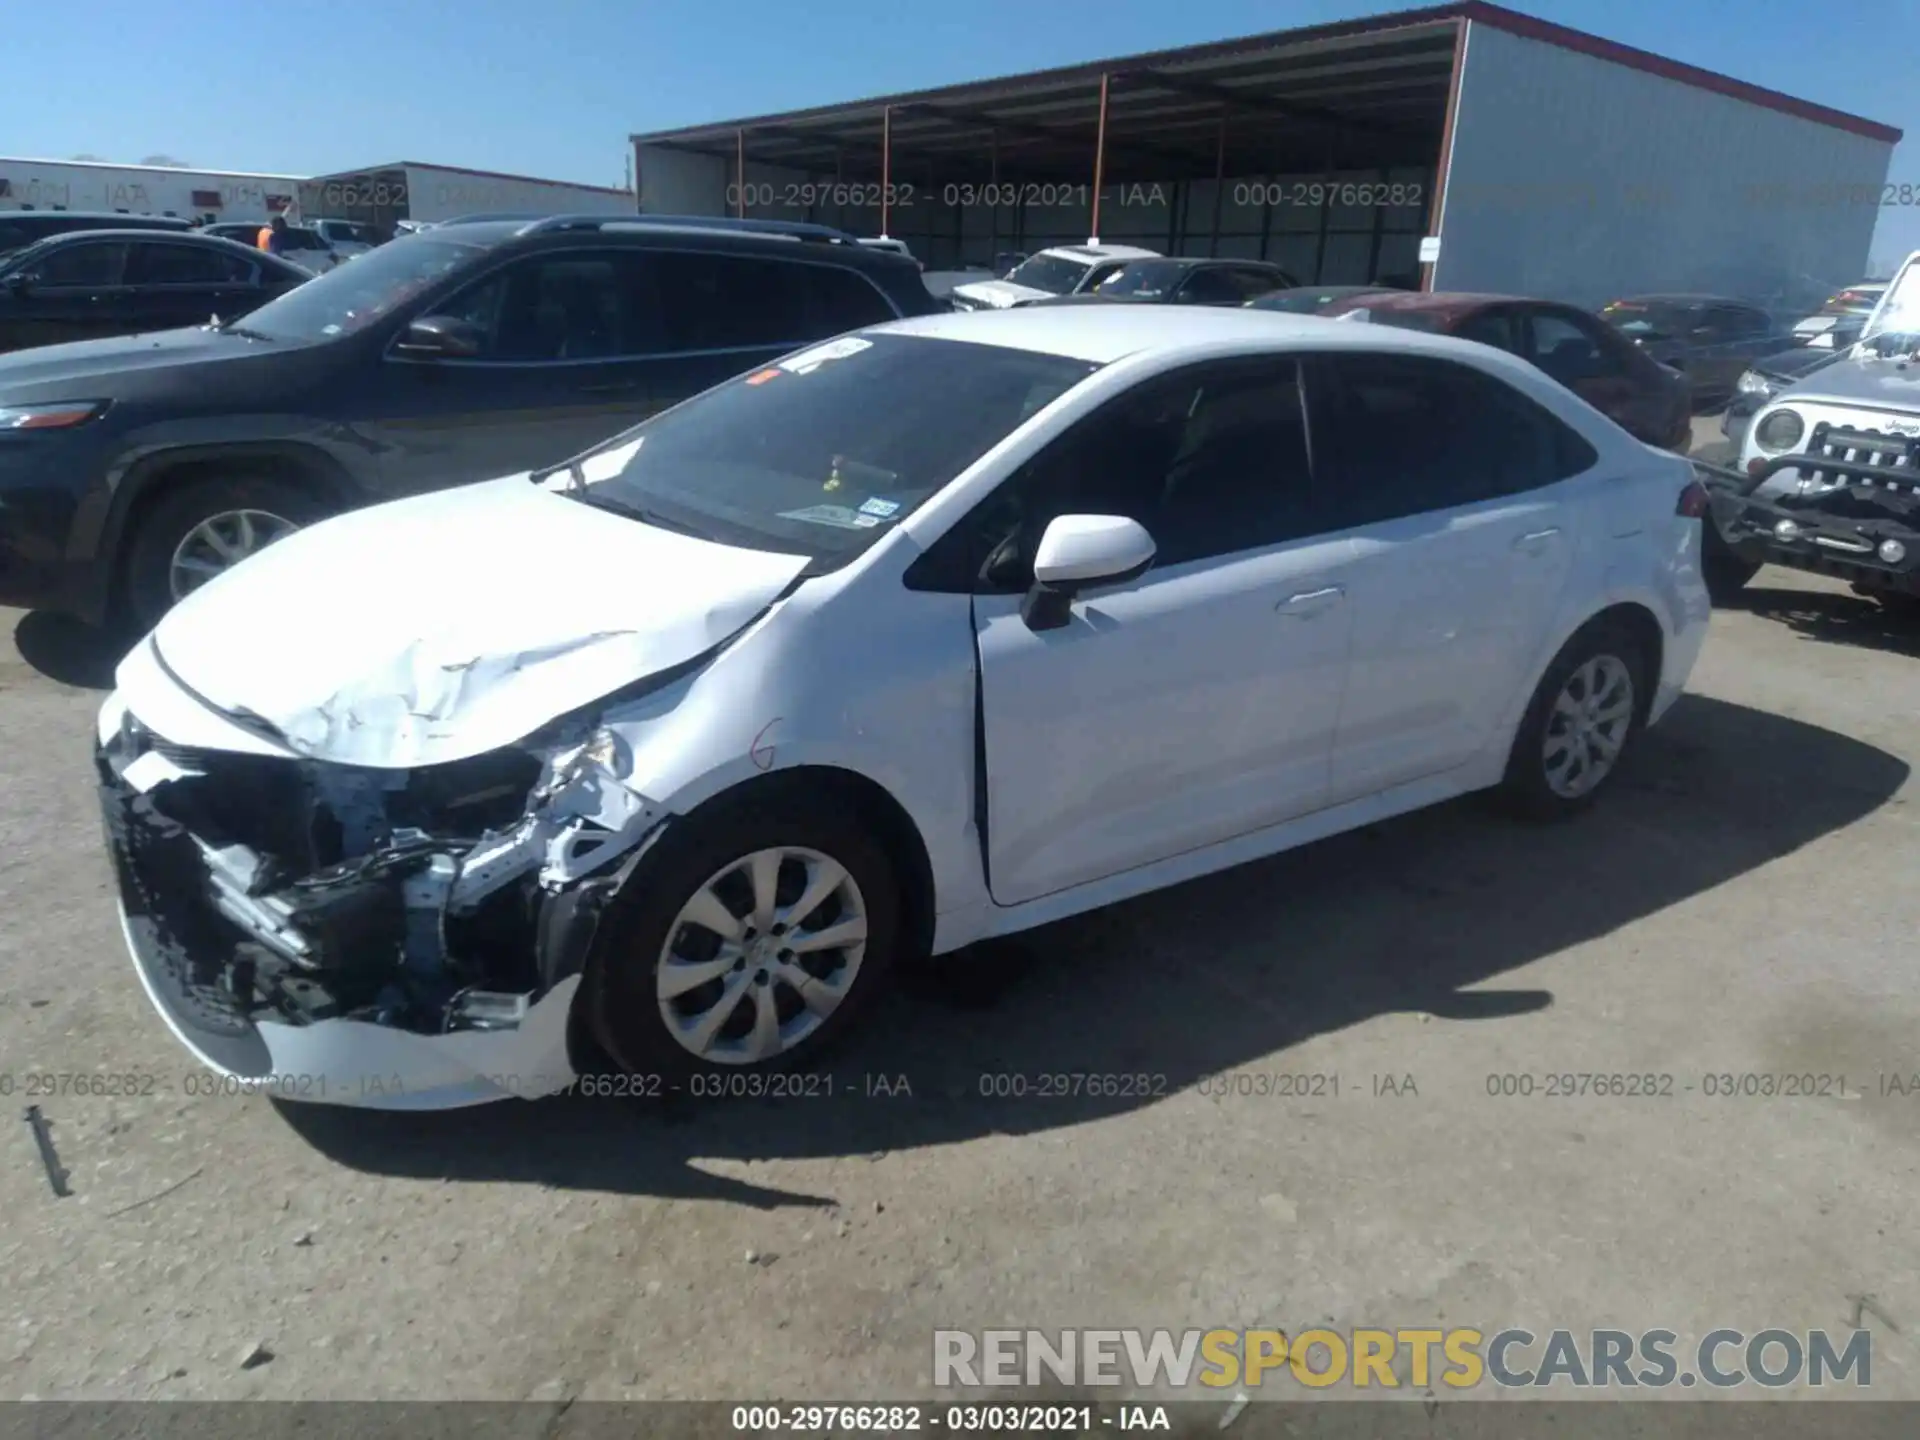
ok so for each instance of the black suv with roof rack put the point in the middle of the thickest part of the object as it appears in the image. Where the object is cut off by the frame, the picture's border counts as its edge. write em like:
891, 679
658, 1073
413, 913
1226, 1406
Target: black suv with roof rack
132, 470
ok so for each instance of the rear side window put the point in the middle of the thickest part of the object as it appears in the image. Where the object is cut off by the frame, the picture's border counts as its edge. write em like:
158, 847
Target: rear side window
839, 300
162, 264
1489, 327
1568, 350
1407, 435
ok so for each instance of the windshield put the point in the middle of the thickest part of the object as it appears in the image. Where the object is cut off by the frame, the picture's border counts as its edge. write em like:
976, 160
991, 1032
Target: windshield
1899, 309
1646, 321
352, 297
1143, 279
825, 451
1055, 274
1305, 301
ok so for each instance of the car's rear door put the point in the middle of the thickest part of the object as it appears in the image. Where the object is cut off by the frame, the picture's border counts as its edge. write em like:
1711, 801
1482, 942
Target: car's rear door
1460, 497
719, 314
174, 283
1197, 702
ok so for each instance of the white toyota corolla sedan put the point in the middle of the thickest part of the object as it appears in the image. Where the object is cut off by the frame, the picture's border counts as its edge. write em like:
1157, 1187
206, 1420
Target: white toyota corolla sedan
931, 633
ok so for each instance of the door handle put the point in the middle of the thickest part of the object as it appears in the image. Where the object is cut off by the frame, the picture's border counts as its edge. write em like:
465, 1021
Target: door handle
1536, 540
1309, 603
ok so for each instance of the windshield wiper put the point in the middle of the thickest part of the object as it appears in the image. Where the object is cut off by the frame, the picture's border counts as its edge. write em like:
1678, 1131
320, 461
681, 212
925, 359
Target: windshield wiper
643, 514
244, 333
576, 477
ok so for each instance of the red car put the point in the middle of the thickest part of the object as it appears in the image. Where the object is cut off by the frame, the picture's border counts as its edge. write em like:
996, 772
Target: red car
1586, 355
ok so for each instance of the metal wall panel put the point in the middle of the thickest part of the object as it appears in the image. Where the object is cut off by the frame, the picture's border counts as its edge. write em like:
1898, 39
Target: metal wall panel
1579, 179
444, 194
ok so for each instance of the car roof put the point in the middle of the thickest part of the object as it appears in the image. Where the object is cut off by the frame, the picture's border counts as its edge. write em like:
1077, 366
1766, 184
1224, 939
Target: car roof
805, 242
1101, 252
1102, 334
134, 221
1684, 299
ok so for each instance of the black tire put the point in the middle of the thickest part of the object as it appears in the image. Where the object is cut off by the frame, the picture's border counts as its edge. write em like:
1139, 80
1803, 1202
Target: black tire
145, 589
1526, 790
1724, 572
623, 1011
1898, 603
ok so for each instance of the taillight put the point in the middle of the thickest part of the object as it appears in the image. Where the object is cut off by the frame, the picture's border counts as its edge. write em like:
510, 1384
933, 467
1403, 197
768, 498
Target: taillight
1693, 501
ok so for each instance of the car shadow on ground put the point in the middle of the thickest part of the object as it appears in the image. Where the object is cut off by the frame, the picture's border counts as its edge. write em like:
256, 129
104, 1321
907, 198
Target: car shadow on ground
70, 651
1836, 618
1223, 973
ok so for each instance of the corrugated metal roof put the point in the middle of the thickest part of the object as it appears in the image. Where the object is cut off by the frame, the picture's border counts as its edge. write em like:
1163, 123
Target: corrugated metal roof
1380, 82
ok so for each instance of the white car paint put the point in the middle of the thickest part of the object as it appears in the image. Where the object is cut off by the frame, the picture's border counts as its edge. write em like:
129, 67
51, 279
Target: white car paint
1192, 718
340, 236
388, 679
1006, 293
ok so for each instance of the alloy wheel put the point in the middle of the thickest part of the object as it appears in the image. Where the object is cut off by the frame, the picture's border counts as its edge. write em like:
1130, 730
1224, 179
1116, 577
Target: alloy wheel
761, 955
220, 542
1588, 726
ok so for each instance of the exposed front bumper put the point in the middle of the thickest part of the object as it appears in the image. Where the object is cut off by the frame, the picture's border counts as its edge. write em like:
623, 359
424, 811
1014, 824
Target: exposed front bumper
182, 947
1838, 532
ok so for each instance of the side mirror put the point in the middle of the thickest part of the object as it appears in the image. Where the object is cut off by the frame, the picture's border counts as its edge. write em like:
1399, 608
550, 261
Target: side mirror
1076, 553
20, 282
441, 337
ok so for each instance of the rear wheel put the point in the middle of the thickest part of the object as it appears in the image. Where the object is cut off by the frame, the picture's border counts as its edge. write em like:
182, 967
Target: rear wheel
1586, 711
747, 941
204, 529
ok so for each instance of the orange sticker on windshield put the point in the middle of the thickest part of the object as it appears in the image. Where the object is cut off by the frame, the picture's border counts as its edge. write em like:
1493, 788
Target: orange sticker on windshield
760, 377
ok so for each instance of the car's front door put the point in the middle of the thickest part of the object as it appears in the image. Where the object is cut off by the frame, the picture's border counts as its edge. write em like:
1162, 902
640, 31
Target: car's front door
71, 293
1191, 705
1456, 492
559, 369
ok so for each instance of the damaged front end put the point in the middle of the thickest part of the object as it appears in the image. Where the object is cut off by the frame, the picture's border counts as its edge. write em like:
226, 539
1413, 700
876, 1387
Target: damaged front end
399, 938
1855, 513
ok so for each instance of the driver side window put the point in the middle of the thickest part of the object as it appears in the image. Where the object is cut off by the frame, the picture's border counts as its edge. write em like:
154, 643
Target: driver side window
1211, 460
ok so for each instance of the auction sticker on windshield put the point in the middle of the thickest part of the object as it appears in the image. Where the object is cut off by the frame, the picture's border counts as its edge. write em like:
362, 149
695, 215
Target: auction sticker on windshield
840, 516
808, 361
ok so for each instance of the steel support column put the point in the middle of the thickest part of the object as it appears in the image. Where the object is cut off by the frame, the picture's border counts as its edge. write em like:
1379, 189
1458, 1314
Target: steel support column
886, 168
1099, 162
1219, 186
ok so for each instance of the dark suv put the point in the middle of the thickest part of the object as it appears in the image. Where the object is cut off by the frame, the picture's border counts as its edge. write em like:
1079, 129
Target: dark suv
131, 470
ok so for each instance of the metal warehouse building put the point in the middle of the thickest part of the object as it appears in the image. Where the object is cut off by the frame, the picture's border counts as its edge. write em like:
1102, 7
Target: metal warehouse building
410, 190
1467, 145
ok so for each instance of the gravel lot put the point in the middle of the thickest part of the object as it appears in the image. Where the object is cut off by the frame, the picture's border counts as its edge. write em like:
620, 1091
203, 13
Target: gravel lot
1744, 902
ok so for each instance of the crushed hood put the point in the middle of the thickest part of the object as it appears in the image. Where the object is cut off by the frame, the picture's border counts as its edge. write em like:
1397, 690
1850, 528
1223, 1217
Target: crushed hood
445, 626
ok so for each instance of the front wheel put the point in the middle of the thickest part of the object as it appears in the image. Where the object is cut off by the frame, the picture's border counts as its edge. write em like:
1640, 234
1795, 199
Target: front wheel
747, 941
201, 530
1586, 711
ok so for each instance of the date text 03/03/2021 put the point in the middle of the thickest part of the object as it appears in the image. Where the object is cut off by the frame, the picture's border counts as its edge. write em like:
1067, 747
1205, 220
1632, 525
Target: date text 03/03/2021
963, 1418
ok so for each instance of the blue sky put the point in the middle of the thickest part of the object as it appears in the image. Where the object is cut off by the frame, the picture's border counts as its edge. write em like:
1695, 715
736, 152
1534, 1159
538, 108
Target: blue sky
554, 88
